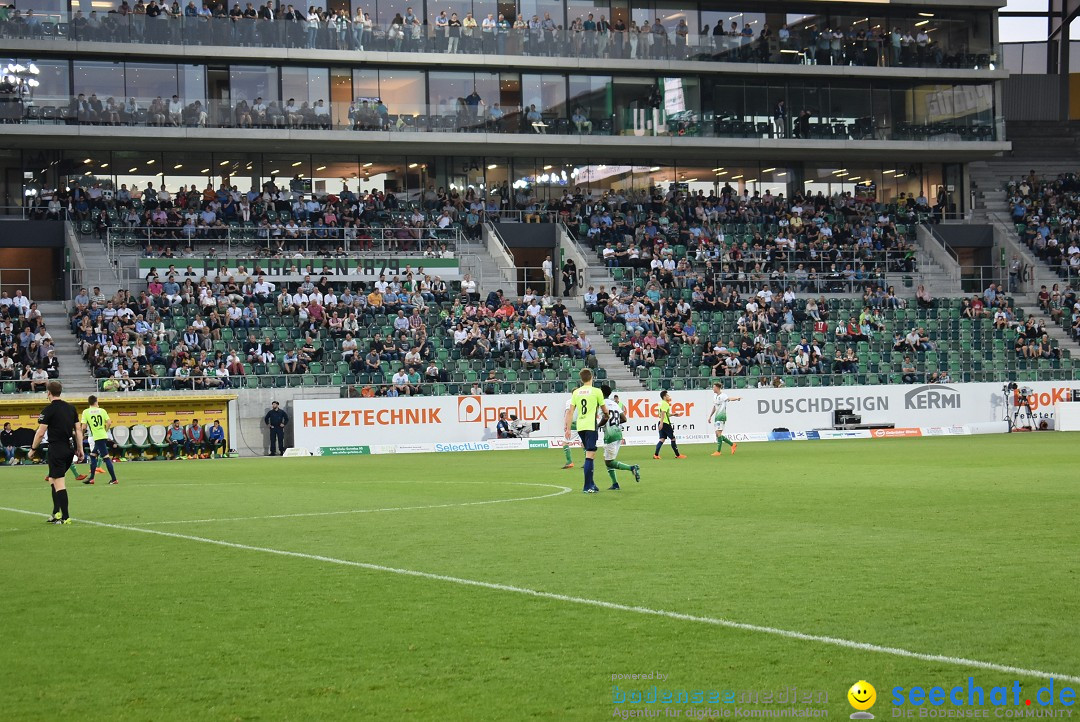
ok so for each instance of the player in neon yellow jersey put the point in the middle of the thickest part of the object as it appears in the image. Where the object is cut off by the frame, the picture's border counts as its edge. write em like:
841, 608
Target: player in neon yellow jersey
588, 404
97, 423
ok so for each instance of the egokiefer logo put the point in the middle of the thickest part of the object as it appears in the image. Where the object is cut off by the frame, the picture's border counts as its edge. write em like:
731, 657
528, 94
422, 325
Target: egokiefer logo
1045, 398
473, 410
862, 697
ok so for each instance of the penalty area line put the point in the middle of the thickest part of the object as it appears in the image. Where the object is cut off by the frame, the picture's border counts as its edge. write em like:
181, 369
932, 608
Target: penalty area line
561, 490
585, 601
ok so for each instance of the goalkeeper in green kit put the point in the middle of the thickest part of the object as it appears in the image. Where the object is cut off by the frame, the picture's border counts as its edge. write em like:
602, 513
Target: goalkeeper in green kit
613, 439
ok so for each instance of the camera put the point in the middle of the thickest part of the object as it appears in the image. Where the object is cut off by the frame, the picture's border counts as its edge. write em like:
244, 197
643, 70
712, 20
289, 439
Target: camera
520, 429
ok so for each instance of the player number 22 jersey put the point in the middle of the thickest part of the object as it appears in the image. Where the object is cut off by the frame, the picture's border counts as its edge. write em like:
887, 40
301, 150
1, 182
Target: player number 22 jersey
616, 418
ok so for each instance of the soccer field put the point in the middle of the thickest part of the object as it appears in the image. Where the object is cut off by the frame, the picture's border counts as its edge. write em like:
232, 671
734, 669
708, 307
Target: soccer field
486, 586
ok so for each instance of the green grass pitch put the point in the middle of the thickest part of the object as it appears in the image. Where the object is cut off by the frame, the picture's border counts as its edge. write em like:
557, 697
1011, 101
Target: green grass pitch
959, 547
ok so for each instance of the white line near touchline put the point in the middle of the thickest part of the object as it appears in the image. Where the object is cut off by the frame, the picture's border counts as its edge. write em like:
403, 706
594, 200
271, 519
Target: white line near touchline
714, 621
561, 490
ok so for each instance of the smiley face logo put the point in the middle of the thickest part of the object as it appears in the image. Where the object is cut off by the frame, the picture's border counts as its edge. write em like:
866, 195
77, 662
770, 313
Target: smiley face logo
862, 695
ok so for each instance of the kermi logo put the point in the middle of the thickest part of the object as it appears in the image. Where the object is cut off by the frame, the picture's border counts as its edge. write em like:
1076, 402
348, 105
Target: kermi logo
932, 396
471, 410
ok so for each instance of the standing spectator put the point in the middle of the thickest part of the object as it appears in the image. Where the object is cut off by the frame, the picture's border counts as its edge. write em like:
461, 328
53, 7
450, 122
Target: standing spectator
277, 420
549, 280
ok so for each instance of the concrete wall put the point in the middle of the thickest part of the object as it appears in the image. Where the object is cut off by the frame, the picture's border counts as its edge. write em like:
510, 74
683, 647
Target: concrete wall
251, 437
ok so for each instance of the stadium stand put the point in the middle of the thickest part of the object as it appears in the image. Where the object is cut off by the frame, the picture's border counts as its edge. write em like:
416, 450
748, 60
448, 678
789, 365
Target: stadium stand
822, 244
271, 220
776, 338
408, 334
27, 356
1046, 213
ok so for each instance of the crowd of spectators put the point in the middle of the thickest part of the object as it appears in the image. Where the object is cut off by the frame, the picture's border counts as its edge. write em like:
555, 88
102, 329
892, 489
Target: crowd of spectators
173, 333
534, 330
656, 325
1047, 214
839, 243
589, 34
27, 354
276, 220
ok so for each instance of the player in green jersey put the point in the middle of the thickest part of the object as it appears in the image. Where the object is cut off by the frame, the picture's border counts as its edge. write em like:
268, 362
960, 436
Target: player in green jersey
97, 423
719, 417
573, 427
613, 439
588, 404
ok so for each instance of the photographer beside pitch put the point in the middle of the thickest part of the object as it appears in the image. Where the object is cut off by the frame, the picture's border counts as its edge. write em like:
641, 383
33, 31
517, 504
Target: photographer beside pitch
60, 422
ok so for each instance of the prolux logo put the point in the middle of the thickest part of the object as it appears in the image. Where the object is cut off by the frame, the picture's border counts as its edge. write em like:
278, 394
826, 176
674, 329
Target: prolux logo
471, 410
932, 396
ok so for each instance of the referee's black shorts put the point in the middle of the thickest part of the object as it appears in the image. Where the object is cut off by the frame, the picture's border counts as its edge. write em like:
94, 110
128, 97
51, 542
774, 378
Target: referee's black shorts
59, 462
667, 431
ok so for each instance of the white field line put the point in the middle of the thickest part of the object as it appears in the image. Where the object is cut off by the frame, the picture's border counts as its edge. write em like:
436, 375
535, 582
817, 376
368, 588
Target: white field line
561, 490
614, 606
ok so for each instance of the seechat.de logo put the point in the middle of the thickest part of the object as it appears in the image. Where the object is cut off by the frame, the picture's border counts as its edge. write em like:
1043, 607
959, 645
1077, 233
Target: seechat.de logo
862, 696
469, 409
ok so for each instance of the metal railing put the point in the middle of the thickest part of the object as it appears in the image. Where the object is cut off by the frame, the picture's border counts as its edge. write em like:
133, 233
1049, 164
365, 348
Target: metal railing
14, 279
637, 119
672, 42
25, 386
228, 240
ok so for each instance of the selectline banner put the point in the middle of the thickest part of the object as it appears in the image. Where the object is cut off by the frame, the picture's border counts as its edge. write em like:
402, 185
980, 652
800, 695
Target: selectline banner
440, 420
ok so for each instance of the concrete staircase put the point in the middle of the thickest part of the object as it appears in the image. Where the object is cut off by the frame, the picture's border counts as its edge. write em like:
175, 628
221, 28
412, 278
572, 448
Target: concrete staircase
74, 372
476, 261
91, 259
606, 357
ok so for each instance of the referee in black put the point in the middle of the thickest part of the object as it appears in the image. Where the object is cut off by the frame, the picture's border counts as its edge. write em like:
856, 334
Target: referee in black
61, 422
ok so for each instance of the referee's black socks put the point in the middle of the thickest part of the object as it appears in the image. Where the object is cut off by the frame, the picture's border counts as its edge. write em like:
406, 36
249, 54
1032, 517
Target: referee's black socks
55, 500
62, 501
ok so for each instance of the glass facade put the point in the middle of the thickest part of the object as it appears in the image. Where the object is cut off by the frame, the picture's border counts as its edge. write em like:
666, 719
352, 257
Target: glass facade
838, 34
402, 99
544, 177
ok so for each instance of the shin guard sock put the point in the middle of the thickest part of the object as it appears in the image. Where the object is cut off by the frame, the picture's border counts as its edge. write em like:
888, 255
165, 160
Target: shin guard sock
62, 500
588, 473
